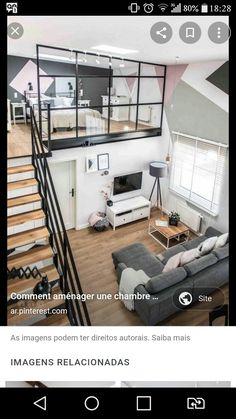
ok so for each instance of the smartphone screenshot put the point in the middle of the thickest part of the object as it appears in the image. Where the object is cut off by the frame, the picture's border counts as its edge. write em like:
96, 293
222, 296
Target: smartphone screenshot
117, 209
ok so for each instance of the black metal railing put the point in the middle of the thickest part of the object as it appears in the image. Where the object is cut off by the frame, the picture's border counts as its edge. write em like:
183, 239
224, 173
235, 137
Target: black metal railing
70, 283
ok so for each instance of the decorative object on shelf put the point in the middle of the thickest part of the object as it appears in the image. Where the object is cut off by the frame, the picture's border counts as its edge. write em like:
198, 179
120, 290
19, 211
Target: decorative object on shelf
158, 170
103, 161
43, 287
91, 164
107, 192
98, 221
174, 218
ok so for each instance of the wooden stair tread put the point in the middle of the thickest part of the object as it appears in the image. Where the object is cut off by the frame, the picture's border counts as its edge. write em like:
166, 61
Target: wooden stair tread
20, 169
27, 237
19, 184
29, 257
25, 217
26, 285
22, 200
54, 320
14, 318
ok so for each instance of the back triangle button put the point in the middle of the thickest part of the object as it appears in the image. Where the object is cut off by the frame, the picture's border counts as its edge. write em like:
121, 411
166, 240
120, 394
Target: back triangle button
41, 403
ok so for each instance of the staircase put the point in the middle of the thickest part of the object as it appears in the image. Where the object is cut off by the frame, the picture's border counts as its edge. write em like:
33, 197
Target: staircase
37, 238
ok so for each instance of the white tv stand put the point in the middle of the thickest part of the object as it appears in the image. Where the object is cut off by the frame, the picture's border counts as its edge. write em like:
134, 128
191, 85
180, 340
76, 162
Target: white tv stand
128, 210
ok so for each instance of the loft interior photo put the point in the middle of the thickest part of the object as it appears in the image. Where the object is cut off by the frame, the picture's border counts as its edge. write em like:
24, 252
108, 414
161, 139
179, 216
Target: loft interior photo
117, 174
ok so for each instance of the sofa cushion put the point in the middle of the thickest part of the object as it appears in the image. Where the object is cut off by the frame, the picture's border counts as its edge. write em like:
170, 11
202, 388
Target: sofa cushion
167, 254
165, 280
191, 244
198, 265
207, 246
137, 256
222, 252
221, 240
211, 231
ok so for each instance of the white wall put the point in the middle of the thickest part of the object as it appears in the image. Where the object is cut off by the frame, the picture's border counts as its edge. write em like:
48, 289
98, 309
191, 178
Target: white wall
125, 157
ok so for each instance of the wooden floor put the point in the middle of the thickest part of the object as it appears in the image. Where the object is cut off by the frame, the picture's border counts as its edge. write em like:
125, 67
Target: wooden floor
19, 141
19, 138
92, 251
115, 127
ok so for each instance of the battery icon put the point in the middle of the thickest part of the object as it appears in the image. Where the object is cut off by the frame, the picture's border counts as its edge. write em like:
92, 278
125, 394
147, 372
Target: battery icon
204, 8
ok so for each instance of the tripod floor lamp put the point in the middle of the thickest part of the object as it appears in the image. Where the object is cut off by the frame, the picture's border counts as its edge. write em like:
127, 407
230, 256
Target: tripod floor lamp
157, 169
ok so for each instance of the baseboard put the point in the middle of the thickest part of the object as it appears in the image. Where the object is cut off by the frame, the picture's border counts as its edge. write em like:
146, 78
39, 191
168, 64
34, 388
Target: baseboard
82, 226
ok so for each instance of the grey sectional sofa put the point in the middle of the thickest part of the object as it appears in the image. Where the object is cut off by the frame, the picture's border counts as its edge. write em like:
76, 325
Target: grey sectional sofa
209, 271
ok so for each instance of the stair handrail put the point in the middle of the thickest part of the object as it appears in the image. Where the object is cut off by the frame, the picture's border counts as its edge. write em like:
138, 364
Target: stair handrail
70, 282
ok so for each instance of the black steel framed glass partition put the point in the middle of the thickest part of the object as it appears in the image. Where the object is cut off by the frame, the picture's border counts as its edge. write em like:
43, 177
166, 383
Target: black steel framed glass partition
85, 98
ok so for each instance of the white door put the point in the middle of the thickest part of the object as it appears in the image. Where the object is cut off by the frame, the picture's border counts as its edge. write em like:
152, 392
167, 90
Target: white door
63, 175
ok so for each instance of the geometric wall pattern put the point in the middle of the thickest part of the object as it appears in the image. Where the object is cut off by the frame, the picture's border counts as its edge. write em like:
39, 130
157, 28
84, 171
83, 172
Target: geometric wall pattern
29, 74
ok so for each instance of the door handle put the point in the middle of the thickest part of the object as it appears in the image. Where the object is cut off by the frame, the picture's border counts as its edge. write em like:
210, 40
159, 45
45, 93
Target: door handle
72, 192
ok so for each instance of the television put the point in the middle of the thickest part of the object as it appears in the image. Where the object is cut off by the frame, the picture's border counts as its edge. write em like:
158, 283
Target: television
127, 183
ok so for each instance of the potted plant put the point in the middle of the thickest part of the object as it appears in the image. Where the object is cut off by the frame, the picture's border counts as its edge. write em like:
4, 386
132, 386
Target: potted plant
174, 218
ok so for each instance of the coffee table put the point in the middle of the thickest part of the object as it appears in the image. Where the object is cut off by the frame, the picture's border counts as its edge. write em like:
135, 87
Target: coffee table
164, 235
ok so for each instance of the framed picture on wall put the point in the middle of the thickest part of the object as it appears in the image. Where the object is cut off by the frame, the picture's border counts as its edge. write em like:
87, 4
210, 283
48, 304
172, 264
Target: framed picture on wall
103, 161
91, 164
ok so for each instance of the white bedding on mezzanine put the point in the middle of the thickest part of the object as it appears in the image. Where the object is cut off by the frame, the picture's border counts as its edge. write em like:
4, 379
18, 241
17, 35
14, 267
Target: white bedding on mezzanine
66, 118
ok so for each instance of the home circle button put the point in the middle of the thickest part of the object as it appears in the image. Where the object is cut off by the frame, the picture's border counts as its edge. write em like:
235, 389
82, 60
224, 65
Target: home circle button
91, 403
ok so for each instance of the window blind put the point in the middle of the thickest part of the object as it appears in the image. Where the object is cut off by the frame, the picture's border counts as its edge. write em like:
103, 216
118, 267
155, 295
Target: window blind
197, 171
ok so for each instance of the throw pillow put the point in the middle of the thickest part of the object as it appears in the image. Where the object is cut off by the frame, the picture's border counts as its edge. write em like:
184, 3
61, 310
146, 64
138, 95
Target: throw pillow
207, 246
173, 262
221, 240
181, 258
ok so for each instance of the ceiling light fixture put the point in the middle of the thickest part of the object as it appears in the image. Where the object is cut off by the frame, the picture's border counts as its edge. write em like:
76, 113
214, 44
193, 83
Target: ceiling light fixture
115, 50
110, 61
98, 59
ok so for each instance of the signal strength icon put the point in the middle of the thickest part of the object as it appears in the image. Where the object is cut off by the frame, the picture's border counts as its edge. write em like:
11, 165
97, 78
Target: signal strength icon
162, 6
176, 8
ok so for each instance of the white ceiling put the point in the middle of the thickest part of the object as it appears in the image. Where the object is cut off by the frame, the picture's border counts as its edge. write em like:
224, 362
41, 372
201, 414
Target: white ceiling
133, 32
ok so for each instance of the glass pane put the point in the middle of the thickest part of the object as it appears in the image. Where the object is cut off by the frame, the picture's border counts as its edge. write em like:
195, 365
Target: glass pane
125, 89
55, 62
92, 90
92, 121
64, 87
121, 67
152, 70
63, 123
149, 116
123, 118
93, 65
150, 90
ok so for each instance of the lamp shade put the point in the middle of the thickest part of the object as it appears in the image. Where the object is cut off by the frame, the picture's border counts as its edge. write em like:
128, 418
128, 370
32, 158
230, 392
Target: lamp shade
158, 169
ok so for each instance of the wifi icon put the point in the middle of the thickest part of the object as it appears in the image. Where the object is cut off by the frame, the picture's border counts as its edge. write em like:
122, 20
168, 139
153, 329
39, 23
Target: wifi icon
162, 6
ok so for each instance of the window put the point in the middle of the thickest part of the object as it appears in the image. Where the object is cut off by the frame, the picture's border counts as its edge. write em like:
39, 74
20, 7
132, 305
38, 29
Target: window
197, 171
